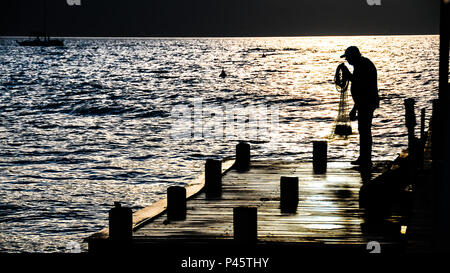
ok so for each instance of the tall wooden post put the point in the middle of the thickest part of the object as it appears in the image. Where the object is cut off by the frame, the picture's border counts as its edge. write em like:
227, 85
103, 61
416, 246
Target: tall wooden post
422, 126
437, 149
423, 140
444, 52
410, 120
440, 161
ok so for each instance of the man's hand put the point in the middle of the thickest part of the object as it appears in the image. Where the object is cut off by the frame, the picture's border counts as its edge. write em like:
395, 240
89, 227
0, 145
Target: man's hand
345, 72
352, 114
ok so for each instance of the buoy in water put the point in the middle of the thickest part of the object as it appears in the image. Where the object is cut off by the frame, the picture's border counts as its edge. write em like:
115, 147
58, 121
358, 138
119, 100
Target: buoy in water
223, 74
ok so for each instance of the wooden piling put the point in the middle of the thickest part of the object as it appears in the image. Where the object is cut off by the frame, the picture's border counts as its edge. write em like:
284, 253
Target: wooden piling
120, 223
288, 194
245, 224
437, 139
410, 117
422, 125
423, 140
443, 150
242, 157
213, 178
410, 121
176, 203
444, 53
437, 149
320, 157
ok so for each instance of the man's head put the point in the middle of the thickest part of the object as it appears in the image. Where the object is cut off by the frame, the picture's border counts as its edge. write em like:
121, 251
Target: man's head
352, 55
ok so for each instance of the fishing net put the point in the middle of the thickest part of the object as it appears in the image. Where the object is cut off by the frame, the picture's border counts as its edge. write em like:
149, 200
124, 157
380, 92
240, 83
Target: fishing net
342, 124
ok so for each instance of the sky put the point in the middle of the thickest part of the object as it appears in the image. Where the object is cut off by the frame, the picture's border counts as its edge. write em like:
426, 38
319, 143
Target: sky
132, 18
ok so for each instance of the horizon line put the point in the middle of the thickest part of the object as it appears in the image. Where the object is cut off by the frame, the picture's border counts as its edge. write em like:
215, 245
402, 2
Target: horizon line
211, 37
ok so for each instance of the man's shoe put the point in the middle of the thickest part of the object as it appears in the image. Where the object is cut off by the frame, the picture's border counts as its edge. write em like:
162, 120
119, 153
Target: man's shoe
356, 162
365, 166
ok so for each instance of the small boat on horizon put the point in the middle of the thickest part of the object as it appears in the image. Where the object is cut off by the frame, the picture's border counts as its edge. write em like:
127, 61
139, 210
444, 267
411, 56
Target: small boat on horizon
41, 42
45, 41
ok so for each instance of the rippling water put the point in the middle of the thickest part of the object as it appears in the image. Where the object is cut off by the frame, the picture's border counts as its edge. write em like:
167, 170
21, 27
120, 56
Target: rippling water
89, 124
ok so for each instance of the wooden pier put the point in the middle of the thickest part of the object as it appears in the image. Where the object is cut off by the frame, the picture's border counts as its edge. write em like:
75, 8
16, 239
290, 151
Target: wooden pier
327, 215
287, 210
269, 207
288, 213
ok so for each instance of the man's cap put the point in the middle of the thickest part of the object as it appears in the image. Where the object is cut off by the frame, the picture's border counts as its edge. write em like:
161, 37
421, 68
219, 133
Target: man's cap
351, 51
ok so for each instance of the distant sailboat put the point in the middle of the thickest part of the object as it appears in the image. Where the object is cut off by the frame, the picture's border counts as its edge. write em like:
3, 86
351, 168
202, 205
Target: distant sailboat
41, 42
46, 40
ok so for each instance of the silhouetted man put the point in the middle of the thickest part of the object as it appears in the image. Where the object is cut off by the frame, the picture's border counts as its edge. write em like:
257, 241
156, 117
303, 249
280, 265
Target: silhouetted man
364, 91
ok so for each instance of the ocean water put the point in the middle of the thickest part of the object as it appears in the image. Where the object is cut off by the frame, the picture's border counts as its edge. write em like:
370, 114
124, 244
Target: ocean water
94, 122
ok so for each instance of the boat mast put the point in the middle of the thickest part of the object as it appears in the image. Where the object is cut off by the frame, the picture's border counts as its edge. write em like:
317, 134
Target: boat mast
45, 20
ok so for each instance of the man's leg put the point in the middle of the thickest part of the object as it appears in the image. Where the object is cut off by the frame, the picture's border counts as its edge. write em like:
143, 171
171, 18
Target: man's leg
365, 137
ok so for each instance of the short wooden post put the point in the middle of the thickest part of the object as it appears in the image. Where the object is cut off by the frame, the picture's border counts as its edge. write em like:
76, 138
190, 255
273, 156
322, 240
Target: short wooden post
213, 178
120, 223
320, 157
288, 194
242, 156
410, 120
245, 224
176, 203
